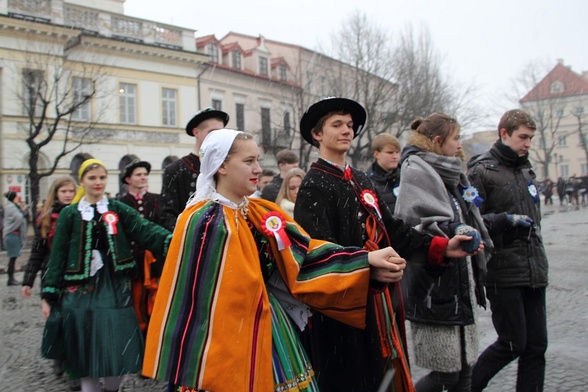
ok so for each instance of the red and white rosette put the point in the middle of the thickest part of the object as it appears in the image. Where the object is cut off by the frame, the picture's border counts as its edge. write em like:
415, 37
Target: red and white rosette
273, 223
369, 198
111, 220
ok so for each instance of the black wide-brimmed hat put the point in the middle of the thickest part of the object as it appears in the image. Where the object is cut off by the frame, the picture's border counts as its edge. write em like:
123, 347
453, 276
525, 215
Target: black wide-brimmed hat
329, 105
132, 166
205, 114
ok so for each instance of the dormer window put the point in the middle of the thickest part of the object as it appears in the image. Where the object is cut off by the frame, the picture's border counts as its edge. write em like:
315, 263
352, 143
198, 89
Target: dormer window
282, 72
212, 50
263, 66
556, 87
236, 59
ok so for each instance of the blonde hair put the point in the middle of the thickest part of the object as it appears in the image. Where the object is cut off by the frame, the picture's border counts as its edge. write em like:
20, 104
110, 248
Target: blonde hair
283, 192
87, 165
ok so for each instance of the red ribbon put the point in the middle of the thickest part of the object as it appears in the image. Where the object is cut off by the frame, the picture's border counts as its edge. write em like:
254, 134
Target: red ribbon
111, 220
273, 223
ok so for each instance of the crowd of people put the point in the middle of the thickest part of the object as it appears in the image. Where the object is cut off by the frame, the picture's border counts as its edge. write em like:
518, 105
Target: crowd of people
239, 278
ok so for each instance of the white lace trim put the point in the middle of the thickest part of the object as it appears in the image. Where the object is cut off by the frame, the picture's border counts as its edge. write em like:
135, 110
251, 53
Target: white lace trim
87, 210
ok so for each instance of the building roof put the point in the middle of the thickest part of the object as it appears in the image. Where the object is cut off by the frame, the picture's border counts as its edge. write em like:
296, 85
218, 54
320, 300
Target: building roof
229, 47
203, 41
560, 82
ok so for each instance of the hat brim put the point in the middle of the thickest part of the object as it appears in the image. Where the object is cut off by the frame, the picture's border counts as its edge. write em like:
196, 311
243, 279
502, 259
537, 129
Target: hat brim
129, 169
203, 116
321, 108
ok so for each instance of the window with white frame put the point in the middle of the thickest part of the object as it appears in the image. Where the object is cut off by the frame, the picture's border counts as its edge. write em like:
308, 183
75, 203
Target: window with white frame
33, 92
240, 114
266, 126
562, 141
559, 113
282, 72
564, 170
212, 50
584, 168
236, 59
168, 107
556, 87
263, 68
579, 111
82, 91
128, 103
287, 125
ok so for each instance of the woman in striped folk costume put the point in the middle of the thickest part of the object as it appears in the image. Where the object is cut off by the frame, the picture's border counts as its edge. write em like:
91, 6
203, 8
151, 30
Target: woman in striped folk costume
240, 276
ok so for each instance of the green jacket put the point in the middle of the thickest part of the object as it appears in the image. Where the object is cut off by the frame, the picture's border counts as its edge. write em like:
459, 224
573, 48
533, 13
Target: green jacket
71, 251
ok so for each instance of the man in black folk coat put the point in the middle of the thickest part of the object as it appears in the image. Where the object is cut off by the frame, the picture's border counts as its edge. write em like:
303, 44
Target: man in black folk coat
145, 283
179, 178
340, 204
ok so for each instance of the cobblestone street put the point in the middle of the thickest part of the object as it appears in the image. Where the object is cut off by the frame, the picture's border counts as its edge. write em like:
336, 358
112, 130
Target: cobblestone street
565, 232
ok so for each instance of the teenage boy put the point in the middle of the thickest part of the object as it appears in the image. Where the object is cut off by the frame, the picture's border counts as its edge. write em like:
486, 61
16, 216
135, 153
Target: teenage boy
263, 179
286, 160
385, 171
339, 203
517, 273
179, 178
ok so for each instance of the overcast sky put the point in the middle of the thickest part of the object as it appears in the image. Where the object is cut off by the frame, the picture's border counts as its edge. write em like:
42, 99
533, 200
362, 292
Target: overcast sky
482, 42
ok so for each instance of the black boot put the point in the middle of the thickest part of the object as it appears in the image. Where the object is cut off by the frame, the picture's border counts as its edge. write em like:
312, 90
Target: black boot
57, 368
11, 280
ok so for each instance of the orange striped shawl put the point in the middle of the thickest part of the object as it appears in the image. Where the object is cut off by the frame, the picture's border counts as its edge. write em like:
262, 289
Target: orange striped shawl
210, 328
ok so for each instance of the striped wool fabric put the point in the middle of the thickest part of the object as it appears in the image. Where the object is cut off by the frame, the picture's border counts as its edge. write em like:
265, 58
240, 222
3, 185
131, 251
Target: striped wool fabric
211, 326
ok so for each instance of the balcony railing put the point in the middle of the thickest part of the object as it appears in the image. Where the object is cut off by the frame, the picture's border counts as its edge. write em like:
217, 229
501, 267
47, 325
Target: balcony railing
37, 10
104, 23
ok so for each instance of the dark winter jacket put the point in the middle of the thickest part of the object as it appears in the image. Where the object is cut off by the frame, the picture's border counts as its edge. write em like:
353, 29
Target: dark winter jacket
271, 190
40, 249
385, 183
431, 198
506, 183
179, 182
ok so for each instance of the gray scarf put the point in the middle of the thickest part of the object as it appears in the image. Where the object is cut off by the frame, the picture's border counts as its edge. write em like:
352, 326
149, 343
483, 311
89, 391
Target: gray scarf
423, 199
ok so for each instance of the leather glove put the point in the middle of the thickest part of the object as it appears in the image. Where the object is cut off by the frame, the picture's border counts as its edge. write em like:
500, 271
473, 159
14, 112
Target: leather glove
516, 220
469, 246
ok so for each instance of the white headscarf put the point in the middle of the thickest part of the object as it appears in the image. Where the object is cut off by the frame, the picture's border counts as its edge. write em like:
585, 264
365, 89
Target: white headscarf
213, 153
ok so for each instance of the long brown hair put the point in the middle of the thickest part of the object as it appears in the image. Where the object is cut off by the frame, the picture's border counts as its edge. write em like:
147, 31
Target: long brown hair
283, 192
44, 219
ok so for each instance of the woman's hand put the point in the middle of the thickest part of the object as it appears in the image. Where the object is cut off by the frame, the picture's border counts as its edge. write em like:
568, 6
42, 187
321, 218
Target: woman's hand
46, 309
26, 291
454, 249
386, 265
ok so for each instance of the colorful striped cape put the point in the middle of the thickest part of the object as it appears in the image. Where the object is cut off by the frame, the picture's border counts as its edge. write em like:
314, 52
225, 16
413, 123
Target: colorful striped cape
211, 325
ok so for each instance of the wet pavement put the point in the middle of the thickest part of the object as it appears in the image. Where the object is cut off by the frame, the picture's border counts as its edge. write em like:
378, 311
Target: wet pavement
565, 232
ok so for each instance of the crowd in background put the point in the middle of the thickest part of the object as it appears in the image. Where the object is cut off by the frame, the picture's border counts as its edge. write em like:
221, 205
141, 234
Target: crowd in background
414, 237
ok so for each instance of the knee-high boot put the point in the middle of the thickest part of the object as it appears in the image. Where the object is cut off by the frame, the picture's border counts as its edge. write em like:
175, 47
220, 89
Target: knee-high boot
11, 280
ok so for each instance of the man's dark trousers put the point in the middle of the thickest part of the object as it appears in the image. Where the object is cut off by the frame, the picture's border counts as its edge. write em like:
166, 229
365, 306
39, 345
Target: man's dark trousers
520, 320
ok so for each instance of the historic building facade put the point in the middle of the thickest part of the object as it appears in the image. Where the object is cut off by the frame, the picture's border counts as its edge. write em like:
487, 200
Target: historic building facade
133, 84
559, 105
124, 88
